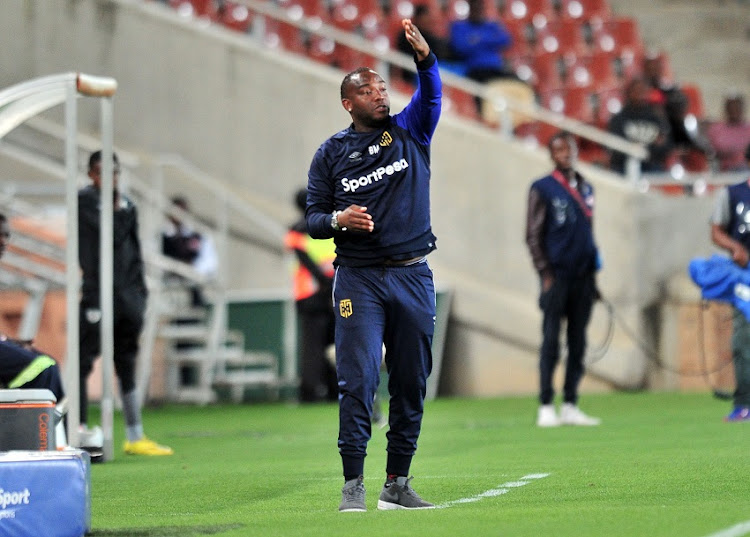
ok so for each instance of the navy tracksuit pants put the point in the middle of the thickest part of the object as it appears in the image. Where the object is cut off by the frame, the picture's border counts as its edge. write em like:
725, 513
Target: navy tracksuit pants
375, 306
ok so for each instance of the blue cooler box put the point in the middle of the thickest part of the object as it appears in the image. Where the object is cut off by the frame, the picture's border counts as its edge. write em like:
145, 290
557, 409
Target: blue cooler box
45, 493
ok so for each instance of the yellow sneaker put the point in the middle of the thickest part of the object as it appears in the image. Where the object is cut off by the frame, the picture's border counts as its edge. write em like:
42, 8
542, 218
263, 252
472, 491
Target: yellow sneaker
144, 446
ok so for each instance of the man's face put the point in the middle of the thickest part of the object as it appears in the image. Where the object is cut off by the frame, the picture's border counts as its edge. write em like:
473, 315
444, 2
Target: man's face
4, 236
95, 173
367, 99
562, 152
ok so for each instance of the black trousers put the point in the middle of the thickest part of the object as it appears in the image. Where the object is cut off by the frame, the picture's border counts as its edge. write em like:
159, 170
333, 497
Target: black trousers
571, 299
128, 322
316, 323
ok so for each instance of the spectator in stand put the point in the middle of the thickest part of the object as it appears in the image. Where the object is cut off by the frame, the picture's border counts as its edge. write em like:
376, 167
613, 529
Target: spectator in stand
665, 95
640, 122
478, 44
428, 23
730, 137
180, 242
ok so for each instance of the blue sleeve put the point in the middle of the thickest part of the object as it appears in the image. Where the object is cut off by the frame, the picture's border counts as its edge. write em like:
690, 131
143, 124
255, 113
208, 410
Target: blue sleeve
319, 195
421, 115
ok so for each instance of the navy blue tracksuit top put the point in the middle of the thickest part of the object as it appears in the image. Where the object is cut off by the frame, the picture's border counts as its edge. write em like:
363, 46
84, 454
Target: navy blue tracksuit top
387, 171
568, 232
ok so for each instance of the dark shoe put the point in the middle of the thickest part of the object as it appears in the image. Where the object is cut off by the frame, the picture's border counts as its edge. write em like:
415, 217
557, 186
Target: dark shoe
398, 494
353, 496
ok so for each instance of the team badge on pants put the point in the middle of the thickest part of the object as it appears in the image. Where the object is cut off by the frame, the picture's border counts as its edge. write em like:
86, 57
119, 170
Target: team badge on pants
345, 307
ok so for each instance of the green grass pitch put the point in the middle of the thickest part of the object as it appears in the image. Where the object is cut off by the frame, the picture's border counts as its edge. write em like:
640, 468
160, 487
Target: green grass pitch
659, 465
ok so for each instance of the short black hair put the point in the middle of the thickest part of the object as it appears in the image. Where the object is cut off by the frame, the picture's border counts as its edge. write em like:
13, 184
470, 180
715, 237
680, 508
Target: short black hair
348, 79
421, 9
559, 135
300, 199
96, 157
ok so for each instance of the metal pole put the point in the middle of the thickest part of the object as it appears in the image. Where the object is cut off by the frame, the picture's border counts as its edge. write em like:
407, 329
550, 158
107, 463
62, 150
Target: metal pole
106, 279
72, 374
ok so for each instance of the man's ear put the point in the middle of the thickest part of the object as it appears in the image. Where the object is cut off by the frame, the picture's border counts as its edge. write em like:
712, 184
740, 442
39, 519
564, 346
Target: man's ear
347, 104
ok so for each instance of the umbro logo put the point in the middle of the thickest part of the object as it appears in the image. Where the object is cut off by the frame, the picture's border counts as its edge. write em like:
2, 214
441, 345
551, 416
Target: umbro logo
356, 156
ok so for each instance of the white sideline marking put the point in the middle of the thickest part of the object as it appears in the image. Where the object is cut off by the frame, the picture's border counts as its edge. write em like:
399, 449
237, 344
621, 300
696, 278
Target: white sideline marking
505, 488
738, 530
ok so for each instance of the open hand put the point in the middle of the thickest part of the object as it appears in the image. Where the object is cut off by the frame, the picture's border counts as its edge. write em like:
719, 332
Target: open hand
415, 39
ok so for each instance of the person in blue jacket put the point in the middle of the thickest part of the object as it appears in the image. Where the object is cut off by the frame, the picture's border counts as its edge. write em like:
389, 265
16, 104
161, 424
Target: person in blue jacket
730, 231
560, 237
479, 42
368, 188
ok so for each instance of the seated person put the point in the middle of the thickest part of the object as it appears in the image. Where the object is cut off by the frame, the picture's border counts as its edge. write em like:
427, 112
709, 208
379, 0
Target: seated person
478, 44
23, 366
666, 95
730, 137
640, 122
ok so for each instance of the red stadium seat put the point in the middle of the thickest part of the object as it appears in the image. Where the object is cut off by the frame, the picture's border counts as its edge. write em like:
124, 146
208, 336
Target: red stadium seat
576, 72
584, 10
562, 37
459, 102
547, 74
695, 100
459, 10
602, 68
235, 16
607, 102
348, 59
573, 102
284, 36
363, 16
308, 8
528, 10
521, 45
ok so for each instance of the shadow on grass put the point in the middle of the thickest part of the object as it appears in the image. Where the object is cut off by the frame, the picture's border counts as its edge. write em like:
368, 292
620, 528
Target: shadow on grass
166, 531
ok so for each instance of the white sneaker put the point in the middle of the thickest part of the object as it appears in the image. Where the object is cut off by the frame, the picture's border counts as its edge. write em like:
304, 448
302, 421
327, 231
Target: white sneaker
547, 416
90, 438
570, 414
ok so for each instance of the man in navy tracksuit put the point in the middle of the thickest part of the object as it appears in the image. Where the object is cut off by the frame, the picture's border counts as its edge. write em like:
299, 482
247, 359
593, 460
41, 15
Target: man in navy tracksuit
559, 234
369, 189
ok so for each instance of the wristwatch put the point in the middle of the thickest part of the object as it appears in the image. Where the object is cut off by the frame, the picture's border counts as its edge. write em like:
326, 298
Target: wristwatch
335, 221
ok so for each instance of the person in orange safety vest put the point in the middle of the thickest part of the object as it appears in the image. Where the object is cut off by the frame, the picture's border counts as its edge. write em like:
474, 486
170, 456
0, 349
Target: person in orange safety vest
313, 278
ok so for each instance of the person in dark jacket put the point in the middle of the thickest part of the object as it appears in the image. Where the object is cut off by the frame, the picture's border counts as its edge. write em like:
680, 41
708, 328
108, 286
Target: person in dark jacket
560, 237
368, 188
129, 298
640, 122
